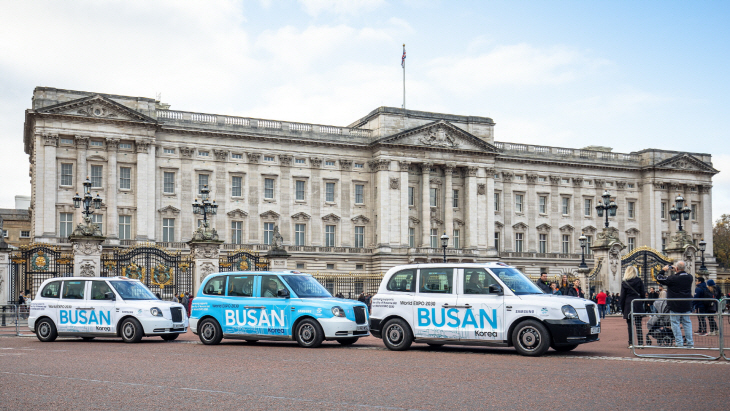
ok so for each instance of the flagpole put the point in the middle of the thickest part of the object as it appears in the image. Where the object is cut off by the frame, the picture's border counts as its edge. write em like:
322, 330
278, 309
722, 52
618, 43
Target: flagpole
404, 78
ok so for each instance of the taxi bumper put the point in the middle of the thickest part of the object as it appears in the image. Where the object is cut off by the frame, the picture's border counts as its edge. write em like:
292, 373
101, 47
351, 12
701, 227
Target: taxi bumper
157, 325
571, 331
339, 327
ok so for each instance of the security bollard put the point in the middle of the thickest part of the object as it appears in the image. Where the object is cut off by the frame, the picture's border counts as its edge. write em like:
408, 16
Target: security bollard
3, 323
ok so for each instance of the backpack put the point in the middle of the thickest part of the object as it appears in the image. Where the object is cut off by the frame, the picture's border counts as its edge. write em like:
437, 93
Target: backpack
710, 306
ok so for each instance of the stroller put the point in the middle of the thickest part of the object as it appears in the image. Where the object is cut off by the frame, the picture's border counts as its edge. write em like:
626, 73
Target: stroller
659, 325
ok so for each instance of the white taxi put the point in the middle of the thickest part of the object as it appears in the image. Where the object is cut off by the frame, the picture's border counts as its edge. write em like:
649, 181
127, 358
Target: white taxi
103, 307
477, 304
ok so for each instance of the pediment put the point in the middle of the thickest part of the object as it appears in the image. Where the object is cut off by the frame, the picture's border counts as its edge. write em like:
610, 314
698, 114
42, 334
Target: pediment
301, 217
414, 220
458, 223
632, 231
567, 228
360, 219
331, 218
589, 229
686, 162
498, 226
543, 227
96, 106
269, 215
237, 213
520, 226
169, 211
439, 135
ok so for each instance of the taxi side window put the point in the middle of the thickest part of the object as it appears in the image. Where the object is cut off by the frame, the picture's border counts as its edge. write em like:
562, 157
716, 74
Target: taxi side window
477, 281
270, 284
403, 281
74, 290
99, 290
437, 280
216, 286
240, 285
51, 290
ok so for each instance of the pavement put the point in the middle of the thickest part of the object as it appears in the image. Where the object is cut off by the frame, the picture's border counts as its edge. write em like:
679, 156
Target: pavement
184, 374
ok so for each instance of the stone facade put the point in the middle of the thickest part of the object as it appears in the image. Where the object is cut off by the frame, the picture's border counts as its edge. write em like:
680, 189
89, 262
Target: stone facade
16, 226
360, 198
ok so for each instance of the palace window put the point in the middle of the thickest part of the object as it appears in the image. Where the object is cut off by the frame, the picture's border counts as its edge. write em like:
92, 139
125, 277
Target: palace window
299, 188
168, 151
67, 174
268, 233
359, 197
693, 207
456, 199
269, 188
587, 207
664, 210
542, 243
496, 240
518, 202
168, 230
168, 183
496, 201
24, 234
329, 163
433, 197
203, 153
566, 205
300, 161
359, 165
127, 146
269, 158
457, 239
566, 244
96, 176
359, 236
66, 224
125, 227
411, 237
329, 192
125, 178
632, 244
518, 242
300, 231
329, 236
98, 219
543, 204
434, 238
236, 186
236, 156
202, 182
632, 209
237, 232
411, 196
96, 143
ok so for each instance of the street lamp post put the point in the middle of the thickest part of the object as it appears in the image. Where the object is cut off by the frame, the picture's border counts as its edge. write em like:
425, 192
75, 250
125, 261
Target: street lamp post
679, 210
608, 206
444, 244
87, 201
583, 267
703, 247
205, 207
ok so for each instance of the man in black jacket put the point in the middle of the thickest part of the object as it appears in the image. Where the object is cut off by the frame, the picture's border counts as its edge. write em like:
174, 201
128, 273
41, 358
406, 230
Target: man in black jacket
679, 285
543, 284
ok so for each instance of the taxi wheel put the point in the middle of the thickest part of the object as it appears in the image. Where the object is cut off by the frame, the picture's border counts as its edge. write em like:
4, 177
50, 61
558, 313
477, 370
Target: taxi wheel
170, 337
531, 338
397, 335
45, 330
347, 341
210, 332
131, 331
309, 334
565, 348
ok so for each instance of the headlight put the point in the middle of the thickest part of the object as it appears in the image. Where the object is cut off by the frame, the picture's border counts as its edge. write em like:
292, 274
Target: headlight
569, 311
338, 311
156, 312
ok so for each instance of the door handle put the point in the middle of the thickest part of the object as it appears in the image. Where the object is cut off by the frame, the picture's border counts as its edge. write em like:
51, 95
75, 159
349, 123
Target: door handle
84, 308
250, 307
467, 306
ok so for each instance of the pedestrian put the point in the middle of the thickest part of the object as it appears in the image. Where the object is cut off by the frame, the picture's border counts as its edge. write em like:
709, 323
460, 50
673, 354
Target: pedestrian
564, 285
554, 289
543, 284
647, 304
652, 295
699, 306
575, 290
189, 306
711, 307
679, 285
184, 300
609, 304
662, 292
601, 300
158, 296
631, 289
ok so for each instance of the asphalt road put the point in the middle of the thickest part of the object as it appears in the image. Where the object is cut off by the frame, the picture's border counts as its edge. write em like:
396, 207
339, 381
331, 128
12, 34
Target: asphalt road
108, 374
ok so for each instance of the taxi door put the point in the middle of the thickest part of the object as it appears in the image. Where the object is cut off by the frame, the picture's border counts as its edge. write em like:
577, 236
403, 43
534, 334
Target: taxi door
73, 308
275, 315
240, 295
103, 315
481, 310
434, 305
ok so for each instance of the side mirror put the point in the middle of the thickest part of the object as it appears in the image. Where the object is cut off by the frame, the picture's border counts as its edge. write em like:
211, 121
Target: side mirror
496, 289
283, 292
110, 296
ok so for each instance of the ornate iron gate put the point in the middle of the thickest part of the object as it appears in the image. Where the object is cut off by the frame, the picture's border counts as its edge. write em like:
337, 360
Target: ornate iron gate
648, 262
34, 263
243, 260
163, 272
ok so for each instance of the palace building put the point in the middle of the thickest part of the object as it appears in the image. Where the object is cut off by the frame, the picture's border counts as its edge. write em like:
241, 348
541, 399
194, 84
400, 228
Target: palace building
361, 198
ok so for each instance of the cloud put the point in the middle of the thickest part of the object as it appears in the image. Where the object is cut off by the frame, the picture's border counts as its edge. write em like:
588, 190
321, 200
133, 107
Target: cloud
343, 7
721, 185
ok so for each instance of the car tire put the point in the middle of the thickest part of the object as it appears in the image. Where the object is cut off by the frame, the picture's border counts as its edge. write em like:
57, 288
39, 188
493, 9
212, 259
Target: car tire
45, 330
209, 332
435, 345
397, 335
87, 338
531, 338
565, 348
170, 337
132, 331
252, 341
347, 341
309, 334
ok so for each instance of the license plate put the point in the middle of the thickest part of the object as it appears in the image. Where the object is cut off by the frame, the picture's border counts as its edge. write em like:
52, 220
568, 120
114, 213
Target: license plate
178, 325
595, 330
362, 328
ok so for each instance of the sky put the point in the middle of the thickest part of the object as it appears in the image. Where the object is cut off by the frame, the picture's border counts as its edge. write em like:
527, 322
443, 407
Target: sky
625, 74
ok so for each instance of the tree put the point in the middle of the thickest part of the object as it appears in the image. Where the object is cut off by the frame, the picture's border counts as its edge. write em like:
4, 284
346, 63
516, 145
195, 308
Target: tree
721, 240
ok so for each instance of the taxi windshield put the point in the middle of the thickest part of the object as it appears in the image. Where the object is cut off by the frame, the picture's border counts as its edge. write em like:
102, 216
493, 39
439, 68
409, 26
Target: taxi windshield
306, 286
133, 290
516, 281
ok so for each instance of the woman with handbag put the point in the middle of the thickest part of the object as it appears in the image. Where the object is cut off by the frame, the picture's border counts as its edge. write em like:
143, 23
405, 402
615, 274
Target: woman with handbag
631, 289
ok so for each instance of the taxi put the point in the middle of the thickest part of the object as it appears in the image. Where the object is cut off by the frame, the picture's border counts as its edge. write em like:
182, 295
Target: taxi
103, 307
491, 304
281, 305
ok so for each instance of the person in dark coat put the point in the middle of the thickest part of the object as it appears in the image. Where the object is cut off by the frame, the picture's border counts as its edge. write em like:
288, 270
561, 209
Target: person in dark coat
679, 285
575, 291
564, 285
700, 289
631, 289
543, 284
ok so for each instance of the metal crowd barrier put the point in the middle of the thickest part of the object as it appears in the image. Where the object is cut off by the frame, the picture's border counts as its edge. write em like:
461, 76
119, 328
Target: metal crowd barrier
725, 327
13, 318
657, 334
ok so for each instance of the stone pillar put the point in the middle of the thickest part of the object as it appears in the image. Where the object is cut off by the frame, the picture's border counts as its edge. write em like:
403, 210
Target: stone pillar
383, 204
404, 207
49, 215
607, 252
87, 255
278, 259
4, 273
470, 208
112, 216
425, 205
556, 235
82, 171
145, 205
532, 212
205, 256
508, 200
489, 214
681, 248
449, 202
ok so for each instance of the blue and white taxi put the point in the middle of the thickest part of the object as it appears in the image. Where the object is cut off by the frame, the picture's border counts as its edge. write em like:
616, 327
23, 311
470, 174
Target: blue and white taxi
103, 307
477, 304
284, 305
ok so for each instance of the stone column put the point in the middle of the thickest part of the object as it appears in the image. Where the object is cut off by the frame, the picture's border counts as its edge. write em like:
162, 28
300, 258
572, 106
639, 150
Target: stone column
49, 215
383, 203
705, 192
4, 273
426, 205
404, 166
188, 191
470, 209
205, 260
556, 236
112, 216
449, 202
508, 243
532, 213
286, 193
489, 214
144, 219
317, 226
87, 255
82, 171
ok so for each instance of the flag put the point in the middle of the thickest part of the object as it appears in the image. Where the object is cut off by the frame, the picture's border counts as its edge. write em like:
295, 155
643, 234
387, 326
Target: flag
403, 59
